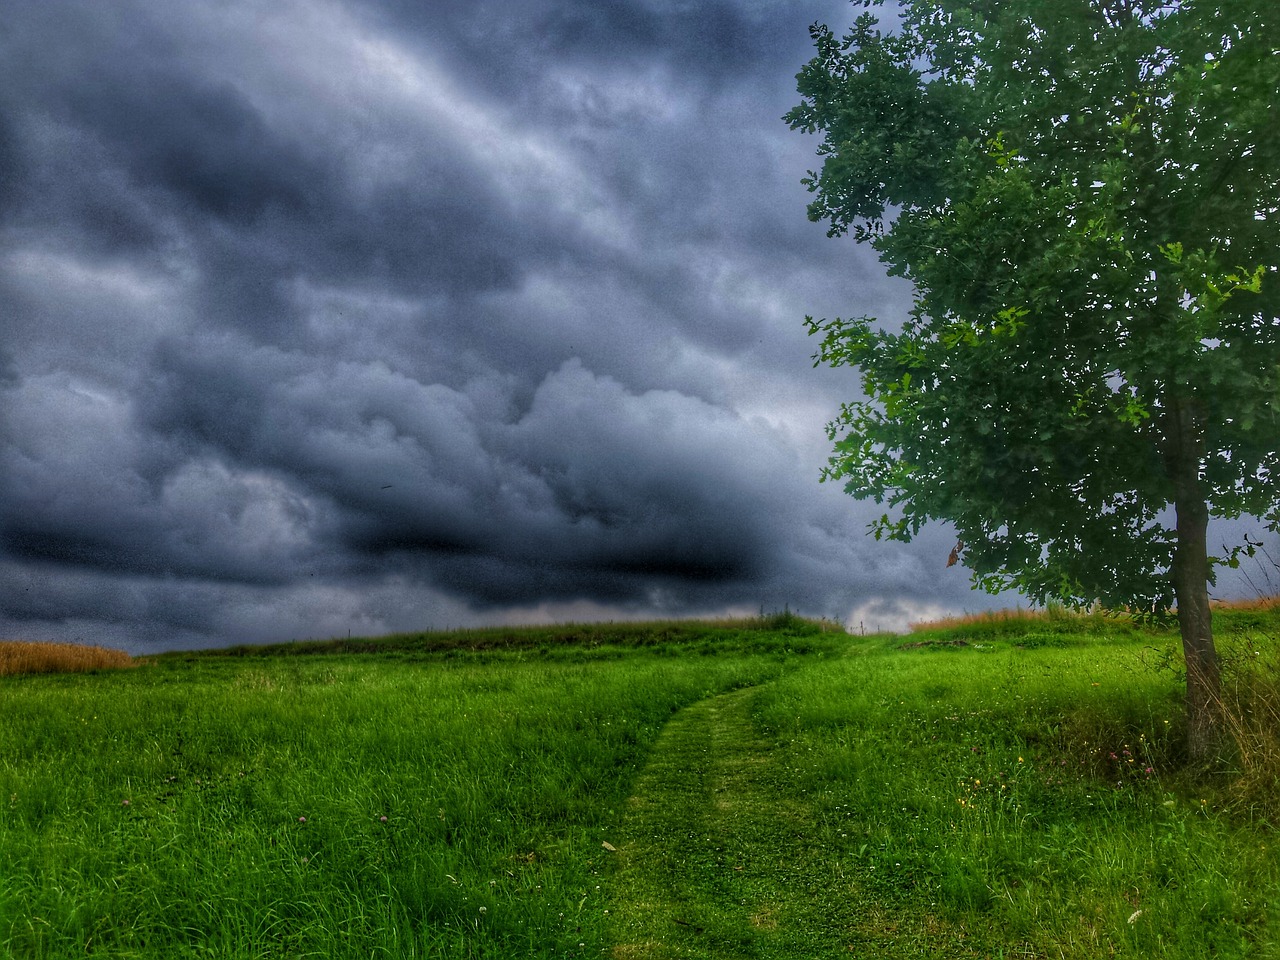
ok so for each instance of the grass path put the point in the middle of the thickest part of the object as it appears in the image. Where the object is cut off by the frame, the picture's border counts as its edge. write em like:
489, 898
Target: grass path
690, 880
718, 858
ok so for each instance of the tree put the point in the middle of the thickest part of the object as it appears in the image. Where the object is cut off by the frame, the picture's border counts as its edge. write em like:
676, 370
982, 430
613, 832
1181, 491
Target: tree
1086, 197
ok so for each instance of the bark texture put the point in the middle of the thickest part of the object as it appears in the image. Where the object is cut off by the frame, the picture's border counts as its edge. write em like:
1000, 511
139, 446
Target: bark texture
1190, 574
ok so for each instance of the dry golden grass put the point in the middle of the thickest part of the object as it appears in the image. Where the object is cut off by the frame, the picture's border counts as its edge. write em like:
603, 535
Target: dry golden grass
990, 616
1260, 604
20, 656
1256, 603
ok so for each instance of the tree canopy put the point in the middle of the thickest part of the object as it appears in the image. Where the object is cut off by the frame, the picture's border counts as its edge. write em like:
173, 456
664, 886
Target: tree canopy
1086, 197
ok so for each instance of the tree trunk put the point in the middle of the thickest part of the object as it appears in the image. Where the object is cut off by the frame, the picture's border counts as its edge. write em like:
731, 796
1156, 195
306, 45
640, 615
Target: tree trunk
1191, 587
1190, 575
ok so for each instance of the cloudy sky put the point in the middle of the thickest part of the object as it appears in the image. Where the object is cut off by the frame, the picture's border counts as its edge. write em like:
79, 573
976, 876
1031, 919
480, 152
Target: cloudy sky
367, 315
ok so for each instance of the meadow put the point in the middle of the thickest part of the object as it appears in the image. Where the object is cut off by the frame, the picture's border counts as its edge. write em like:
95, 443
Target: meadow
992, 787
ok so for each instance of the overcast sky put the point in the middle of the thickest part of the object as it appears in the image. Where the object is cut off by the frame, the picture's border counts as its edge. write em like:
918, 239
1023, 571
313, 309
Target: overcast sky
370, 315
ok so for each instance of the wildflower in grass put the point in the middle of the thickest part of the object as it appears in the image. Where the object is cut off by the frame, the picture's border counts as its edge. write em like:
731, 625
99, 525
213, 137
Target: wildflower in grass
302, 819
124, 803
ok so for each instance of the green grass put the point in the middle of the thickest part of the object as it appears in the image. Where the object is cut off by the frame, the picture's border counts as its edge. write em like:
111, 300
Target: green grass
1022, 798
770, 789
233, 805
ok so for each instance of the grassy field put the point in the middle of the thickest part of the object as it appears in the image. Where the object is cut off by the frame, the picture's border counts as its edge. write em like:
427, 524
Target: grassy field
1001, 787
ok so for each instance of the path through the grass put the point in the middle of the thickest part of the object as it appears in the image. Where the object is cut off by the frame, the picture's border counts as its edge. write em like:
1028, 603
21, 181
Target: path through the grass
718, 858
711, 855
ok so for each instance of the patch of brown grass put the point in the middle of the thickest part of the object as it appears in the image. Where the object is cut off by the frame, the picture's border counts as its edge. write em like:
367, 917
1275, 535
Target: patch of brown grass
1254, 604
989, 616
21, 656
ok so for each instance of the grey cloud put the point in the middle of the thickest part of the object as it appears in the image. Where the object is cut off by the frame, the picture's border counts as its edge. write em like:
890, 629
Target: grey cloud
76, 495
591, 478
500, 44
382, 315
204, 143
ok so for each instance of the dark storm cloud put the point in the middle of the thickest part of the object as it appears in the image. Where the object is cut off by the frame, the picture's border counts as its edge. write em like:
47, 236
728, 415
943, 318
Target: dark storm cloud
506, 45
588, 491
332, 315
203, 144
